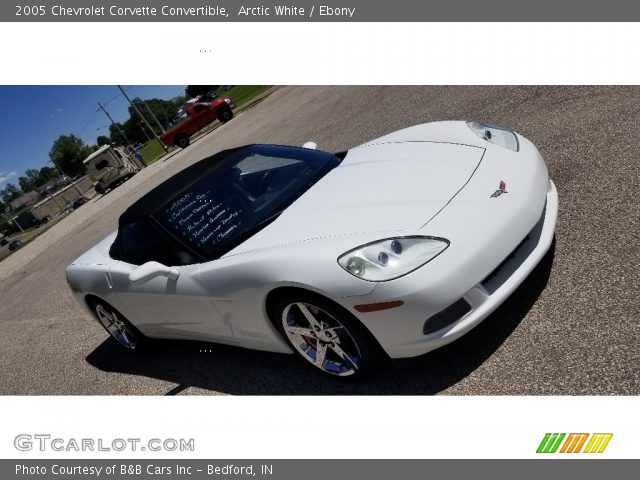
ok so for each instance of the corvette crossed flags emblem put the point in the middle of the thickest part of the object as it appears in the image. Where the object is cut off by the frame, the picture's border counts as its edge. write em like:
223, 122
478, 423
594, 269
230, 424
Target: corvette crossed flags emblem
500, 191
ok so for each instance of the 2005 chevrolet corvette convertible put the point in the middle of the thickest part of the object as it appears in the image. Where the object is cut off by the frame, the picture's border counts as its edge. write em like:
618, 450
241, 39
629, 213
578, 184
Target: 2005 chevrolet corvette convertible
391, 249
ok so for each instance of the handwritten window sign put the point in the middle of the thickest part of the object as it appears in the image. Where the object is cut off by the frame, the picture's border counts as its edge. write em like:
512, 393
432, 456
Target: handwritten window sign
241, 195
202, 218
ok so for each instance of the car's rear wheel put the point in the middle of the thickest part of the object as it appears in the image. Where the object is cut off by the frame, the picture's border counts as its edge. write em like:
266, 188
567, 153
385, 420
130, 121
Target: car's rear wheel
326, 336
117, 326
225, 115
182, 140
99, 189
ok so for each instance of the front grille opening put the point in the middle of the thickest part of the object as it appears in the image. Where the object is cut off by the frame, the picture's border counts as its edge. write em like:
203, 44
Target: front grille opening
515, 259
452, 313
504, 262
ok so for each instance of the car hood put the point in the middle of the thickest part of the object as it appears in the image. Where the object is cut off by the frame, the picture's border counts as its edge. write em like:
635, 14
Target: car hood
391, 186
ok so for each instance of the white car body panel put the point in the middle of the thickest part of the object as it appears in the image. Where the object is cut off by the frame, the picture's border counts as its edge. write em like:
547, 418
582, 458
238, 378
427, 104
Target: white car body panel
431, 180
398, 186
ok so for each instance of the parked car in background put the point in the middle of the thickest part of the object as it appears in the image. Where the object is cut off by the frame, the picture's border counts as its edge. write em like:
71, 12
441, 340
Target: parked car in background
199, 116
14, 245
208, 97
79, 202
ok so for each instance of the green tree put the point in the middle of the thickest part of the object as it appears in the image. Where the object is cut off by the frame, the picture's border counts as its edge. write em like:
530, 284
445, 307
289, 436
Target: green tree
31, 180
103, 140
135, 130
195, 90
68, 152
115, 135
26, 185
46, 174
164, 110
10, 192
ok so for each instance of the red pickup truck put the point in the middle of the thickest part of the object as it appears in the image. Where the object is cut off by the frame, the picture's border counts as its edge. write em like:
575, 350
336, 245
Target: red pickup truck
200, 115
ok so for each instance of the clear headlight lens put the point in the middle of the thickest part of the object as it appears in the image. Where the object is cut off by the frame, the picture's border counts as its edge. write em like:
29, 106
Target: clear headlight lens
391, 258
495, 134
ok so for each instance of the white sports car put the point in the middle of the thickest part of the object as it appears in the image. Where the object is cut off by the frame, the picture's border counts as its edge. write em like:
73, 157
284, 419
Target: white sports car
392, 249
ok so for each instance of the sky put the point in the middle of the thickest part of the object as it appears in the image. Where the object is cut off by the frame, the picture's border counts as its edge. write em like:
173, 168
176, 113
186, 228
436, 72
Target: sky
33, 117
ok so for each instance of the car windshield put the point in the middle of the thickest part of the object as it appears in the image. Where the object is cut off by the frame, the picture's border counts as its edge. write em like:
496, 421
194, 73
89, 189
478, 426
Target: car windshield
242, 195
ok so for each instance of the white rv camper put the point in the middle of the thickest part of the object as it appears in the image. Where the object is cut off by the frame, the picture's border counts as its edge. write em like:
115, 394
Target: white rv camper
110, 166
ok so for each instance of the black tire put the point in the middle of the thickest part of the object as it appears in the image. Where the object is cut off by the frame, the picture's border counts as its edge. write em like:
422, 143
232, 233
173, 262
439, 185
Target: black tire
117, 326
99, 189
225, 114
182, 140
341, 332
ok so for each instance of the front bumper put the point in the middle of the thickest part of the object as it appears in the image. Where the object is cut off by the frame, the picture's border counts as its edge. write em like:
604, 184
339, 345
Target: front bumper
401, 331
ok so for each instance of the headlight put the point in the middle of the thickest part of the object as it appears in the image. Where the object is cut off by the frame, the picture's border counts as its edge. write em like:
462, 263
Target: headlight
391, 258
495, 134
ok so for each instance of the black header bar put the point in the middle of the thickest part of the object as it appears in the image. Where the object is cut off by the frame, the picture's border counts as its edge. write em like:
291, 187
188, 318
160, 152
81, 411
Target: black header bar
320, 11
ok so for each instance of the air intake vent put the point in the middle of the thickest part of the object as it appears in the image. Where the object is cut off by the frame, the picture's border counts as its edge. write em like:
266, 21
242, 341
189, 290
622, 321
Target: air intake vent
452, 313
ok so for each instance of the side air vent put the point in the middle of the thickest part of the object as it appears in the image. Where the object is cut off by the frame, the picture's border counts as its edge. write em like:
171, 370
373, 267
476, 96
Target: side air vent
452, 313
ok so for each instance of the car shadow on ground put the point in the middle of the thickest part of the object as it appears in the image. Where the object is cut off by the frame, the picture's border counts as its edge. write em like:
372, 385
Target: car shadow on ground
245, 372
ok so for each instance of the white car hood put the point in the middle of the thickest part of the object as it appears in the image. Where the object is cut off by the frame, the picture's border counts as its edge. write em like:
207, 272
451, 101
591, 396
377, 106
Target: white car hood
391, 186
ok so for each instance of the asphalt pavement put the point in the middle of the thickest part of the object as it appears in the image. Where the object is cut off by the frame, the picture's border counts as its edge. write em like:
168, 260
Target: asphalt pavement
572, 328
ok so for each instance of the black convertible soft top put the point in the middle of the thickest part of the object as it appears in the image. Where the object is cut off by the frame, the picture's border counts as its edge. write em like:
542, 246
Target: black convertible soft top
206, 209
151, 202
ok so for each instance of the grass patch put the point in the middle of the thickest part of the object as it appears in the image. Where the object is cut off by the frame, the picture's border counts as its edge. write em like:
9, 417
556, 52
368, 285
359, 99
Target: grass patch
241, 94
152, 151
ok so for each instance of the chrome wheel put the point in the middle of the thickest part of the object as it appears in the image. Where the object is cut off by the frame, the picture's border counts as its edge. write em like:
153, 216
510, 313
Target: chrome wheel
116, 327
321, 339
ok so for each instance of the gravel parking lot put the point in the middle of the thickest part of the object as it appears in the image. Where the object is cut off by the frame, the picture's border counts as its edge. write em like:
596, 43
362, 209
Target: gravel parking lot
572, 328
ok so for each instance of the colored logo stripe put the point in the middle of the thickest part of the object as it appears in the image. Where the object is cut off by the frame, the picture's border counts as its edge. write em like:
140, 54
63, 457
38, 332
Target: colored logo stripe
550, 443
574, 442
598, 442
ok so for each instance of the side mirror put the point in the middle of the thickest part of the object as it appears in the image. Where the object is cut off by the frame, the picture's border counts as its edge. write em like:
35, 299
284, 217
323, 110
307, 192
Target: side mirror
310, 145
151, 270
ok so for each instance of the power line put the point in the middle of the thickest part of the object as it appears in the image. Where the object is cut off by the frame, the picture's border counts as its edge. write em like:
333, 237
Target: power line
116, 97
101, 107
86, 124
143, 119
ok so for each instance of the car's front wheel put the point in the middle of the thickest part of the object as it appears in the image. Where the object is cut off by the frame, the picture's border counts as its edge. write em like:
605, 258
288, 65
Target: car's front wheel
225, 115
326, 336
182, 140
117, 326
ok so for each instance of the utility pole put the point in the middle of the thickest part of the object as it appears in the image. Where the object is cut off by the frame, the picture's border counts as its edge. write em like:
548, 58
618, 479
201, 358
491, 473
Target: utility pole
73, 183
15, 221
144, 130
55, 199
115, 125
153, 115
143, 119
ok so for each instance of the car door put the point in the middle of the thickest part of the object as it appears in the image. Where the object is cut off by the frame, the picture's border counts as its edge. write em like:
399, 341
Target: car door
162, 306
200, 113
